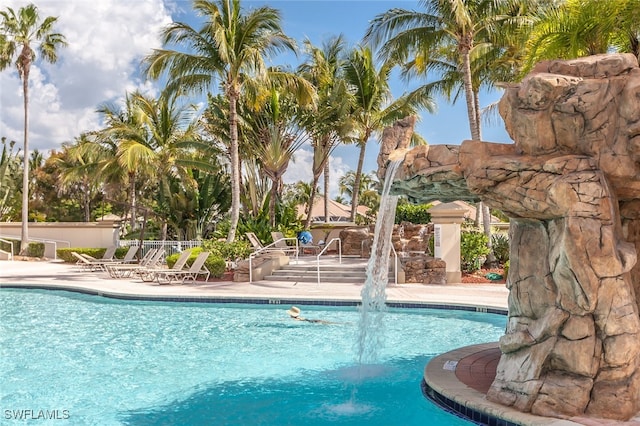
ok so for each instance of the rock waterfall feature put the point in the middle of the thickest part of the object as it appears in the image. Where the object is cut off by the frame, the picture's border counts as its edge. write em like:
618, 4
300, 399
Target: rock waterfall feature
571, 186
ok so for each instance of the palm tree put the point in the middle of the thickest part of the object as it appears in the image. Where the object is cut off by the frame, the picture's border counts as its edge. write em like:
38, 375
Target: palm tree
230, 47
18, 33
329, 122
372, 109
275, 135
580, 28
456, 39
76, 173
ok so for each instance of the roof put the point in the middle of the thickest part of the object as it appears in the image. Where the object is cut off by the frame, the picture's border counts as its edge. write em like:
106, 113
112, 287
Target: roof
338, 212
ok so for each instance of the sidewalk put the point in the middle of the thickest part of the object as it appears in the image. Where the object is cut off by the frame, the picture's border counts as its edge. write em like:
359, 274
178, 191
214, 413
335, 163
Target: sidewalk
55, 274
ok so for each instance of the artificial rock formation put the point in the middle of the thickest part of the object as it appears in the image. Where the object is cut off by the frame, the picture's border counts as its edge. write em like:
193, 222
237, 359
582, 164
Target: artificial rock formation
571, 185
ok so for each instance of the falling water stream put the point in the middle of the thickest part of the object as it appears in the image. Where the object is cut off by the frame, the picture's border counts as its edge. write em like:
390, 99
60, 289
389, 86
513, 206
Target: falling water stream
370, 337
374, 296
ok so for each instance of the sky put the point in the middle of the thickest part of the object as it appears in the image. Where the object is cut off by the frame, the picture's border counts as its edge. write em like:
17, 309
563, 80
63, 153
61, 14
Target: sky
108, 38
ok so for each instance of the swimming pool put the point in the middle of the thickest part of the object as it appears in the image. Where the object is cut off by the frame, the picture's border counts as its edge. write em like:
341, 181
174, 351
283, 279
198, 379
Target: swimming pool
101, 361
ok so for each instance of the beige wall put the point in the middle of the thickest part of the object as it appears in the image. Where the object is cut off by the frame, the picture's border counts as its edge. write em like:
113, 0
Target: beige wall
65, 234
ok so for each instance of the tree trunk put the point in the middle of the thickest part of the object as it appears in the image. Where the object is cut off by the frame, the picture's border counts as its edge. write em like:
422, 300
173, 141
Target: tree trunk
468, 92
24, 240
272, 203
312, 197
132, 197
326, 192
235, 165
355, 196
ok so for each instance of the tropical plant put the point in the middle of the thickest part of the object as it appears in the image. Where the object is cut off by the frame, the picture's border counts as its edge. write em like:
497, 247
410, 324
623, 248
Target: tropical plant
575, 28
19, 34
329, 122
500, 246
9, 169
473, 249
230, 47
76, 172
414, 213
460, 41
372, 106
275, 135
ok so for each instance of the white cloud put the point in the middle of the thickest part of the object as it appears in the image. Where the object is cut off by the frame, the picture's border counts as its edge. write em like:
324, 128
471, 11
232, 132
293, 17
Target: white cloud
106, 41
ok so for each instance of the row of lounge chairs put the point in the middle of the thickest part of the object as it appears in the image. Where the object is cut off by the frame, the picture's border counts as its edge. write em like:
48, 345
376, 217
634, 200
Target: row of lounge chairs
150, 268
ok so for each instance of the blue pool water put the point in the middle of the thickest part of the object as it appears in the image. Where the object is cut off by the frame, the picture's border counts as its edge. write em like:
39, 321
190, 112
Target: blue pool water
92, 360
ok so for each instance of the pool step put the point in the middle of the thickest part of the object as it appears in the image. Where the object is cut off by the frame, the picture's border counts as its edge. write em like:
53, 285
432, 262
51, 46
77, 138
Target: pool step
350, 271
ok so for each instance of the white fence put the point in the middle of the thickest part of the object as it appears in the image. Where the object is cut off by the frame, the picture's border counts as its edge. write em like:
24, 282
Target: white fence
170, 247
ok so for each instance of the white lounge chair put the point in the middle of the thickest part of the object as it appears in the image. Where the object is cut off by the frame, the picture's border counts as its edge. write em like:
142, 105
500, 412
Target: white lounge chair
108, 255
102, 263
151, 259
149, 273
197, 268
84, 263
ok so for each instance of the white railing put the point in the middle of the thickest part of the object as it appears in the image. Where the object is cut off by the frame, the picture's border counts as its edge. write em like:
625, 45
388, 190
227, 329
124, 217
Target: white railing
170, 247
395, 255
44, 241
266, 249
325, 249
395, 267
11, 244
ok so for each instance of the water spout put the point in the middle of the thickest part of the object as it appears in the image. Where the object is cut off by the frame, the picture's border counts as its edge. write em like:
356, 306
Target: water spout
374, 297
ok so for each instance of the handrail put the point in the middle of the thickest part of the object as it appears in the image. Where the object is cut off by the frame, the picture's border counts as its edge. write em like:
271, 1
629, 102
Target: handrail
395, 267
326, 247
46, 241
265, 249
11, 244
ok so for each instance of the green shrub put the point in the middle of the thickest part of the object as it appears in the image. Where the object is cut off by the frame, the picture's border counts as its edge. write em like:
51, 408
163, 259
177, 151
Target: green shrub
216, 265
473, 249
500, 245
35, 250
414, 213
7, 247
239, 249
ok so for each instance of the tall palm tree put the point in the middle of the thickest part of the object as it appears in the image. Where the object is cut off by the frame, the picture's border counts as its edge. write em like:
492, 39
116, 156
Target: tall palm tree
329, 122
230, 47
372, 108
19, 34
452, 32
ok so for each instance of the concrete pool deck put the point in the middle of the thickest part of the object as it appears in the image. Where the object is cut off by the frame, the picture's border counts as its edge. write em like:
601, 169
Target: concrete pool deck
464, 384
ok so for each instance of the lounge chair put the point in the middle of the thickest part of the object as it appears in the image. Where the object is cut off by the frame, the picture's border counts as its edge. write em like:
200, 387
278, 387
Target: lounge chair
84, 263
108, 255
149, 273
197, 268
258, 247
102, 263
280, 242
151, 259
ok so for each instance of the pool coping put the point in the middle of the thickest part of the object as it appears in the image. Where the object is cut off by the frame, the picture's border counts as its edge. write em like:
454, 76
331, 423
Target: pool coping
442, 386
252, 300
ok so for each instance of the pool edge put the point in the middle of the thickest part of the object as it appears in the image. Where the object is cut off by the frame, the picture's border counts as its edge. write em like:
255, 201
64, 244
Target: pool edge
442, 386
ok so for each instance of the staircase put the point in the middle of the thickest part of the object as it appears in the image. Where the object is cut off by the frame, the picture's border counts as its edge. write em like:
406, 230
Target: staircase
351, 270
